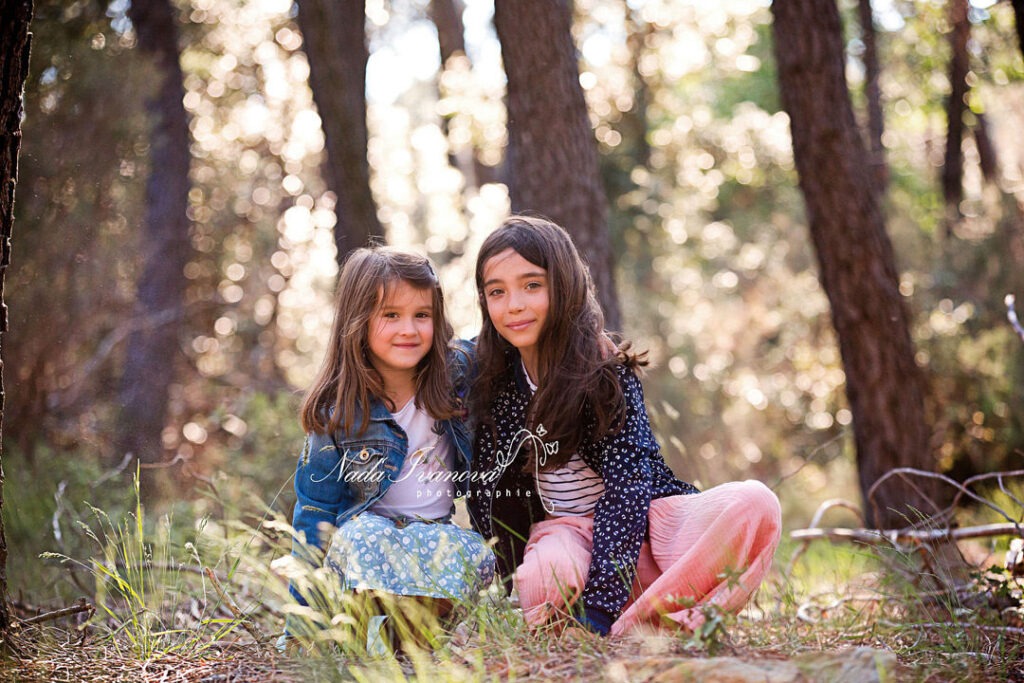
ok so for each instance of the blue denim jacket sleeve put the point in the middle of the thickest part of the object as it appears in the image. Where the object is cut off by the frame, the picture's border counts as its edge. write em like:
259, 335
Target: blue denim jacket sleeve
463, 370
319, 494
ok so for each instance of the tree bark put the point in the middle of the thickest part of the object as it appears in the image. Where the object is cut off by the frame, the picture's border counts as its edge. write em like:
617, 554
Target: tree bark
873, 91
1018, 15
988, 158
638, 31
153, 348
334, 32
447, 18
884, 386
15, 18
451, 39
956, 105
553, 153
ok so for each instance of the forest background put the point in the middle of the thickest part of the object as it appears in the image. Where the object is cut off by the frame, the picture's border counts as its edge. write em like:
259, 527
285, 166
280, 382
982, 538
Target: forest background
714, 268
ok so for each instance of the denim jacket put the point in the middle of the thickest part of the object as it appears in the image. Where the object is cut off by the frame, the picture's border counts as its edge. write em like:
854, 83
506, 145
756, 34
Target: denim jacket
340, 475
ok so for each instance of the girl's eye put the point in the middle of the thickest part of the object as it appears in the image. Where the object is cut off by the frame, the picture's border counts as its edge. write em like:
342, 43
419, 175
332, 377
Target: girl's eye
391, 315
533, 285
495, 292
424, 316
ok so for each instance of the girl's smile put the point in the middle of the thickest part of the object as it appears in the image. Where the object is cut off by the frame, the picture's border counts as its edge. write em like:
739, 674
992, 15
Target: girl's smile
517, 295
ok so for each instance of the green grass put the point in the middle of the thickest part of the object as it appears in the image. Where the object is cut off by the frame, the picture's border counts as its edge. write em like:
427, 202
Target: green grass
146, 573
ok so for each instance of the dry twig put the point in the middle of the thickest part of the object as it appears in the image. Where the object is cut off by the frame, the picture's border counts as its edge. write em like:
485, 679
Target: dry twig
880, 537
941, 517
82, 606
246, 624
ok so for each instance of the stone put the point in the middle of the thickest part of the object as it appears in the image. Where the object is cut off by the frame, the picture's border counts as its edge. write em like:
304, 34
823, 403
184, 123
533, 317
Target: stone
858, 665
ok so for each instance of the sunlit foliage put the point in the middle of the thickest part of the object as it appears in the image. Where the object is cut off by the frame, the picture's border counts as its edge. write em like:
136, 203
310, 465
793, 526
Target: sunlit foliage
715, 268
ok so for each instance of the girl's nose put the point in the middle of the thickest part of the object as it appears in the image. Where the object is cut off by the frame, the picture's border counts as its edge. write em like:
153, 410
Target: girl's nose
515, 302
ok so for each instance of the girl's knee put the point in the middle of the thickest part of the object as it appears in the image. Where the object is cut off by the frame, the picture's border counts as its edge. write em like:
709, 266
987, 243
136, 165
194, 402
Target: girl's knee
759, 502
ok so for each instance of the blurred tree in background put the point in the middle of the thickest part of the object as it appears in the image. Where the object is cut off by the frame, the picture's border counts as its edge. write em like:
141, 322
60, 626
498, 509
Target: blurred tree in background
551, 149
15, 19
152, 345
335, 43
714, 268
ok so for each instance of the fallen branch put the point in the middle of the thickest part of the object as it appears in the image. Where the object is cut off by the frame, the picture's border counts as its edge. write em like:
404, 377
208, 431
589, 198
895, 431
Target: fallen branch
82, 606
942, 517
879, 537
816, 520
945, 626
803, 611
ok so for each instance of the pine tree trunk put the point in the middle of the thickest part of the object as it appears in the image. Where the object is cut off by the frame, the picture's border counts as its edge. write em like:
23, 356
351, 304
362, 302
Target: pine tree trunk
153, 348
884, 386
334, 33
953, 167
988, 158
447, 18
1018, 15
553, 165
15, 39
634, 122
873, 91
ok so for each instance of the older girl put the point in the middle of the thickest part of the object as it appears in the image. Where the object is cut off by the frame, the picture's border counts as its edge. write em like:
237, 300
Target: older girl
587, 515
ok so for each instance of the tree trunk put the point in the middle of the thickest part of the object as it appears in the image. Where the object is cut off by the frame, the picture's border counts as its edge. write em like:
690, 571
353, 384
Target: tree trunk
634, 122
15, 17
988, 158
884, 386
953, 167
1018, 15
553, 164
873, 91
153, 348
447, 18
334, 32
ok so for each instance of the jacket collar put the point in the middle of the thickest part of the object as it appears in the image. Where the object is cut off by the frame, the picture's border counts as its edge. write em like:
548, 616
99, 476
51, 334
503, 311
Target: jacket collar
379, 411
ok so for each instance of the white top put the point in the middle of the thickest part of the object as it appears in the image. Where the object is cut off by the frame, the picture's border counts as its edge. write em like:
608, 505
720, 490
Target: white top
424, 487
571, 490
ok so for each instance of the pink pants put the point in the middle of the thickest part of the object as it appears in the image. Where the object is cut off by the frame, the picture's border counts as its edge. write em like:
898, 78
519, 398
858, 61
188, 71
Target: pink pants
710, 548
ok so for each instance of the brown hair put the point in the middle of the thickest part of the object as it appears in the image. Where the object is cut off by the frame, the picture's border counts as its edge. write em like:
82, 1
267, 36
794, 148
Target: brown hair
577, 378
347, 381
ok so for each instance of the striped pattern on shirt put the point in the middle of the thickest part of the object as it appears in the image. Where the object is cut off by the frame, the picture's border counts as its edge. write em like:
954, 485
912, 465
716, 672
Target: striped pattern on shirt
571, 490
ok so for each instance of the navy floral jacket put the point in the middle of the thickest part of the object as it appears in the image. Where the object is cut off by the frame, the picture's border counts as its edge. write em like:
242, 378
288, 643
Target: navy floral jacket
503, 501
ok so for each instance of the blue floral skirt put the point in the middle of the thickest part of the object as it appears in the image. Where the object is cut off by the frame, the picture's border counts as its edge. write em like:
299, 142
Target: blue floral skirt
429, 559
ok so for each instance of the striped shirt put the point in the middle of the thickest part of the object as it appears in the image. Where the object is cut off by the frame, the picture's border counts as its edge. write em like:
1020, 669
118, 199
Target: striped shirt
571, 490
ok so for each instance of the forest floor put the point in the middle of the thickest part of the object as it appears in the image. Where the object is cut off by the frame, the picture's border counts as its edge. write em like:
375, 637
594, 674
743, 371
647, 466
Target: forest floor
848, 640
204, 601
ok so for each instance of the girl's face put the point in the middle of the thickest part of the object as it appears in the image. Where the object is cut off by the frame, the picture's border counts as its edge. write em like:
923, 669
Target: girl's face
401, 331
517, 294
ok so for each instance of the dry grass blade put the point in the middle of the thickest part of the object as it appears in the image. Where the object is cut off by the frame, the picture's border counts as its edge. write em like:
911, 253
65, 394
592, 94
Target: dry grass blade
252, 629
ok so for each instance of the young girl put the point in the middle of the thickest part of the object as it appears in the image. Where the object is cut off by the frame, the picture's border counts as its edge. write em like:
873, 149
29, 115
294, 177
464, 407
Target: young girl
612, 538
387, 448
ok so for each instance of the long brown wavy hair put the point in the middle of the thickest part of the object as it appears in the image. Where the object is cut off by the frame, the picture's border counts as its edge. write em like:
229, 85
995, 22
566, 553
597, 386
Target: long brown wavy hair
347, 381
576, 367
